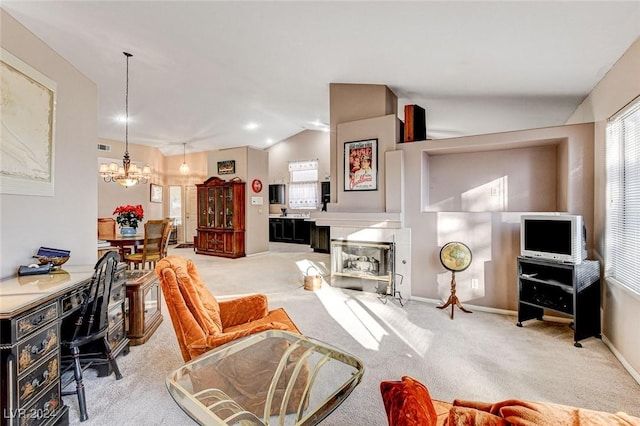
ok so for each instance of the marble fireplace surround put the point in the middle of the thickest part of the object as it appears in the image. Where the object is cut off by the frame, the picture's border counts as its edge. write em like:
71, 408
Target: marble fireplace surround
374, 227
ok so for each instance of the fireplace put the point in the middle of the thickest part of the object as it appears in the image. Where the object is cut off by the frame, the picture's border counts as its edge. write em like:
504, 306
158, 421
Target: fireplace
363, 265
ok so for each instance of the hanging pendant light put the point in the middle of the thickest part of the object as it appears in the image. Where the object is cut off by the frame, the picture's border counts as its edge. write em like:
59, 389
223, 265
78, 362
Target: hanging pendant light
184, 168
128, 174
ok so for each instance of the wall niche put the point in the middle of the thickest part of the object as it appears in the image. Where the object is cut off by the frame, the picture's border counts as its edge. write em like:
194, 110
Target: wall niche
506, 180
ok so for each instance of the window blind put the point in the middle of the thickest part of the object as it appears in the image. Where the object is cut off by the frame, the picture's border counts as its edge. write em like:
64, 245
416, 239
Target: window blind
622, 241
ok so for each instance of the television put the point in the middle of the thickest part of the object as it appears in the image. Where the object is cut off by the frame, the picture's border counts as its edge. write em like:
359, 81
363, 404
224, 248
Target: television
559, 237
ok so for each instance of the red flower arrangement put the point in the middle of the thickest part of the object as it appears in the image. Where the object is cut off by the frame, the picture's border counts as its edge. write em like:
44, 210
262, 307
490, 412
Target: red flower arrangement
129, 215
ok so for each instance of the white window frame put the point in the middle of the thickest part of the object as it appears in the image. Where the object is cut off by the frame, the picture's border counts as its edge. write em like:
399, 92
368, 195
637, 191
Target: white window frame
622, 227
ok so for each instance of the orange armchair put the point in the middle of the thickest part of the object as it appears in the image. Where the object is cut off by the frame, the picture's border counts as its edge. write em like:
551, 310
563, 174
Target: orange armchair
201, 322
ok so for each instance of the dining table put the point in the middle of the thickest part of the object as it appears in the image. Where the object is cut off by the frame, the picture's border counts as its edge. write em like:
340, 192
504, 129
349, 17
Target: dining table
125, 241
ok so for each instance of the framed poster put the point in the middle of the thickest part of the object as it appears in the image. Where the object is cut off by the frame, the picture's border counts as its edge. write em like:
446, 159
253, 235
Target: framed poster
155, 192
361, 165
227, 167
27, 115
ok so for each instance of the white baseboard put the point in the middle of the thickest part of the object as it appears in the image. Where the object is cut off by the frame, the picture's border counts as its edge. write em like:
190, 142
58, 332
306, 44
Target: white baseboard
625, 364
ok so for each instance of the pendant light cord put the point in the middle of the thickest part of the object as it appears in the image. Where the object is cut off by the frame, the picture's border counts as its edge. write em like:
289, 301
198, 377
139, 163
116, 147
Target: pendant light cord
126, 108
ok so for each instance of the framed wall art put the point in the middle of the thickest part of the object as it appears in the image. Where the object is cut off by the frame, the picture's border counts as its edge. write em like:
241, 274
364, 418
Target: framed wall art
361, 165
27, 115
155, 192
227, 167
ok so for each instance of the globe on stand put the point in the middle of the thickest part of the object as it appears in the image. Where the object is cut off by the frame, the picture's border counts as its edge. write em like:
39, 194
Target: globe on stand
456, 257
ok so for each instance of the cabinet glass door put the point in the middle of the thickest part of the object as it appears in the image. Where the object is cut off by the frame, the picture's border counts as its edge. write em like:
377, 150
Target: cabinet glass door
151, 304
202, 207
210, 204
219, 207
229, 207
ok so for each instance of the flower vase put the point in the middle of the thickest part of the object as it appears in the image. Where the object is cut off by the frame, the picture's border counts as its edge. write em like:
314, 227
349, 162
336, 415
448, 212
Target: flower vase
127, 231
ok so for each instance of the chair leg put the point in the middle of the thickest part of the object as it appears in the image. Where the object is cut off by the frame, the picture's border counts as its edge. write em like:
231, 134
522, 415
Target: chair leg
111, 358
77, 374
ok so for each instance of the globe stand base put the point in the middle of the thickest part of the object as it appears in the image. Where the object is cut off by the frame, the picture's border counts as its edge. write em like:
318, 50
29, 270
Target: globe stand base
453, 299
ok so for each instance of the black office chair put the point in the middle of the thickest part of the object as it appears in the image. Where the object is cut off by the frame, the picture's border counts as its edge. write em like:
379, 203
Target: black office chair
87, 325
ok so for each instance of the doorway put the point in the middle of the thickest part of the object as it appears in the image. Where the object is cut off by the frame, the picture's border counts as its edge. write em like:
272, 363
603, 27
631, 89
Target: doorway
175, 207
190, 213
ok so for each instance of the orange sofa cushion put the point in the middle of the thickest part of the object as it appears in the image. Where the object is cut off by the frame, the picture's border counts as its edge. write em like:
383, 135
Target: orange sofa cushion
408, 403
201, 303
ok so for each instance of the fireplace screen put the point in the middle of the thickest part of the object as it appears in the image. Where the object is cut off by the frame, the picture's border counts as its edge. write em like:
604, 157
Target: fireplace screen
363, 265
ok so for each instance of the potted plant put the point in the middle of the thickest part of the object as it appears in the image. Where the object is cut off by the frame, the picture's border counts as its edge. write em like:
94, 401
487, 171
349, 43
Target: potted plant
128, 218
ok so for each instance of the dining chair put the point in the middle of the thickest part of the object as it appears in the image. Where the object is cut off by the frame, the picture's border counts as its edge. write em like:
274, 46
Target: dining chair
152, 249
166, 237
106, 227
84, 331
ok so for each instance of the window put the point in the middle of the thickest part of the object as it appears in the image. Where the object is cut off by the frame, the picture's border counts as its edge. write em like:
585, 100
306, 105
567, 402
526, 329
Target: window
303, 184
622, 247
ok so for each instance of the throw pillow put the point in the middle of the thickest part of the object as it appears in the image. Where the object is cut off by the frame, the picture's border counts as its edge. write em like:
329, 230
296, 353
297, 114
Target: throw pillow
407, 403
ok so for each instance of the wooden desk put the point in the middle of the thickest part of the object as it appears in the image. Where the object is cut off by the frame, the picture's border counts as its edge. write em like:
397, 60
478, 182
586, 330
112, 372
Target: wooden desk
31, 313
122, 241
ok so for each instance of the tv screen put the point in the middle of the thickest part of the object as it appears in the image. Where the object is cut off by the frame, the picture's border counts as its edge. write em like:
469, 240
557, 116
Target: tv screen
559, 237
552, 236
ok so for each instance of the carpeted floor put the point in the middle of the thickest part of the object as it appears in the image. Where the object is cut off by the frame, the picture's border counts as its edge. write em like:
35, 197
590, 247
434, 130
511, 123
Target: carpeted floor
479, 356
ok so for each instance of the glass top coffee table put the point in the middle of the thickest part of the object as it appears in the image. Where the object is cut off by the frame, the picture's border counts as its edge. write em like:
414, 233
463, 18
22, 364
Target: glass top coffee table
270, 378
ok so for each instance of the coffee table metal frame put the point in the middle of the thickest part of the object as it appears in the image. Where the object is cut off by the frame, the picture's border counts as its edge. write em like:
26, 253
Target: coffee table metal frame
206, 406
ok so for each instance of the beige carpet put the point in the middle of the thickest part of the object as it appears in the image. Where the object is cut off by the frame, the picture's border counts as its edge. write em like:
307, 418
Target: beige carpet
477, 356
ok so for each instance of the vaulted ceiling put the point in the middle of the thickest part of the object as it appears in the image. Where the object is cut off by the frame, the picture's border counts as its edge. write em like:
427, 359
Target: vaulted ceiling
216, 74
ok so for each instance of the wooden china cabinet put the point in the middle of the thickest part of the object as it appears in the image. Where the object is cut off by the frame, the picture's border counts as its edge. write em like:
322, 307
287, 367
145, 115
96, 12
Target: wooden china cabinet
220, 229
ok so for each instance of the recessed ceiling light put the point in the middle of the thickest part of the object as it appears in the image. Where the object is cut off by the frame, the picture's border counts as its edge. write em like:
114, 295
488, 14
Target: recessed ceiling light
122, 119
251, 126
269, 141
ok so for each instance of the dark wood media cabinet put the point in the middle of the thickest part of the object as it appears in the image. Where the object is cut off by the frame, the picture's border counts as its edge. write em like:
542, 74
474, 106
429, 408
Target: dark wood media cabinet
572, 290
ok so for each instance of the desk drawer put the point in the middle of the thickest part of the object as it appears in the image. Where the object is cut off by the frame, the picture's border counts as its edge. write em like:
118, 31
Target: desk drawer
116, 335
33, 383
117, 294
116, 314
37, 347
120, 276
44, 410
72, 301
35, 320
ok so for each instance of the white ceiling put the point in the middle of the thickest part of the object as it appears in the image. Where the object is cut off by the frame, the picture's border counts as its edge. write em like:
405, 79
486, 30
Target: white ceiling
202, 71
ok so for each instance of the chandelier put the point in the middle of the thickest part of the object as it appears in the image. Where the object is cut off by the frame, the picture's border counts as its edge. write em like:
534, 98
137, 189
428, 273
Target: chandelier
127, 174
184, 168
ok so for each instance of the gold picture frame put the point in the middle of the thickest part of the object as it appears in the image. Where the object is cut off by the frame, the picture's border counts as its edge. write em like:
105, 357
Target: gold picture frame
227, 167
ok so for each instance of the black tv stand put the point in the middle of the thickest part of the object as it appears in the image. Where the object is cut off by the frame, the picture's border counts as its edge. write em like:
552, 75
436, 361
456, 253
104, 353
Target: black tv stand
569, 289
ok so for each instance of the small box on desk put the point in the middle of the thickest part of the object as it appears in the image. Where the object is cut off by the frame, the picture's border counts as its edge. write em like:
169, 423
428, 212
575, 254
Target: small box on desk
415, 123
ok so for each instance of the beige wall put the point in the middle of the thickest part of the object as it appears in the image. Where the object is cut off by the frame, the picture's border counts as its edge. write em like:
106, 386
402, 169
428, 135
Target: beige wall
494, 180
306, 145
384, 130
197, 163
251, 163
112, 195
66, 220
621, 309
353, 102
257, 235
